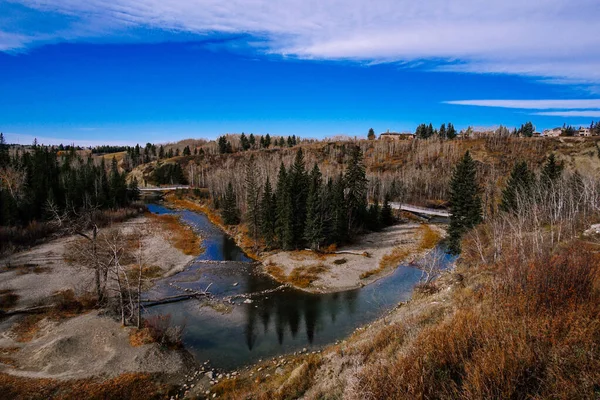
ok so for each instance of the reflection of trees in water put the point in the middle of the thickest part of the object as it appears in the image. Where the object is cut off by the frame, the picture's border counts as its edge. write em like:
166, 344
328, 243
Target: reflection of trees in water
290, 307
230, 250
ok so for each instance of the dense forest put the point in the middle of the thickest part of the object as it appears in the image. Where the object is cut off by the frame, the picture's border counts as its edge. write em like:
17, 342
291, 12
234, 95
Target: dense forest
40, 178
303, 209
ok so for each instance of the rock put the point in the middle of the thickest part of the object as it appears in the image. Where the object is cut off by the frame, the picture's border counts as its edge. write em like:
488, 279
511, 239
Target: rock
209, 374
214, 395
220, 376
279, 371
304, 350
248, 301
235, 284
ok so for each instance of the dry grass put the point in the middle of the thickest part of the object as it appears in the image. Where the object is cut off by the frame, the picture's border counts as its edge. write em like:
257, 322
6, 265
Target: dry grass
533, 335
157, 329
26, 269
301, 277
27, 328
291, 384
430, 238
180, 235
191, 205
389, 260
304, 276
134, 386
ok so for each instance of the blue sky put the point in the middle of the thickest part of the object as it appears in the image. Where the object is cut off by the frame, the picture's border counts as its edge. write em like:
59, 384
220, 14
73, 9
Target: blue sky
146, 70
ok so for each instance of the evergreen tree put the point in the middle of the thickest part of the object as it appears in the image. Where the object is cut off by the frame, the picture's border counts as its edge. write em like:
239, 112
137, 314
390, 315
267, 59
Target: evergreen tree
230, 212
374, 217
387, 214
244, 142
285, 218
356, 184
177, 152
552, 170
134, 190
313, 230
371, 134
442, 131
267, 141
222, 143
252, 201
161, 152
4, 154
252, 141
289, 142
339, 213
450, 132
298, 180
268, 211
465, 203
518, 187
281, 142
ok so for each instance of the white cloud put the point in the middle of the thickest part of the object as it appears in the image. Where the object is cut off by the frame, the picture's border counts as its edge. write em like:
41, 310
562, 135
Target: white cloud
588, 113
533, 104
551, 39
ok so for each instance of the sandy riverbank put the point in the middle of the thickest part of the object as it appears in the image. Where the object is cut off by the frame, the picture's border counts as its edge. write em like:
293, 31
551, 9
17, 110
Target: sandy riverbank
88, 344
372, 257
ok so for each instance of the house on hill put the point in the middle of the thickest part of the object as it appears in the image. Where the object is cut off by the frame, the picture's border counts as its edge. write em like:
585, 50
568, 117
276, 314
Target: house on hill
555, 132
396, 135
584, 131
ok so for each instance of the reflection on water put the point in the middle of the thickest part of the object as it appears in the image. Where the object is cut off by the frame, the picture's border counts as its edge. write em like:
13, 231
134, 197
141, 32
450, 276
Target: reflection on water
280, 322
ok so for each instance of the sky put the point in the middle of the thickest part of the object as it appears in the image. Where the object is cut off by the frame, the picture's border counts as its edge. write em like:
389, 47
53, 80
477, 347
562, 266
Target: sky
136, 71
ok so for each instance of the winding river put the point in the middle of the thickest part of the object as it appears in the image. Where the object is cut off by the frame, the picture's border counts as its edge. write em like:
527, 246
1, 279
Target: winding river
283, 321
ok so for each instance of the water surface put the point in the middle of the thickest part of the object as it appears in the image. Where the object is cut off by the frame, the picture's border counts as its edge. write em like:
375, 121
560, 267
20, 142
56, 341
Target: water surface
276, 323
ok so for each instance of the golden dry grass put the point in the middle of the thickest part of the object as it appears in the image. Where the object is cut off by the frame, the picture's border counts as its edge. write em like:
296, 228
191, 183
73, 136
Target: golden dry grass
430, 237
301, 277
134, 386
389, 260
181, 236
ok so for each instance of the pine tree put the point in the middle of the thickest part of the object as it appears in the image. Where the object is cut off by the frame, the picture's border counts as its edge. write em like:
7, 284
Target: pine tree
518, 187
374, 217
371, 134
298, 180
313, 230
268, 211
4, 155
285, 219
252, 201
356, 184
161, 152
252, 141
289, 142
281, 142
387, 214
230, 212
450, 132
340, 212
222, 142
134, 190
552, 170
187, 151
442, 131
244, 142
267, 141
465, 203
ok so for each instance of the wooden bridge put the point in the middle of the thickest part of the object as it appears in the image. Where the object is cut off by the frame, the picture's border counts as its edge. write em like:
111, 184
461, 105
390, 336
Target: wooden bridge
163, 189
420, 210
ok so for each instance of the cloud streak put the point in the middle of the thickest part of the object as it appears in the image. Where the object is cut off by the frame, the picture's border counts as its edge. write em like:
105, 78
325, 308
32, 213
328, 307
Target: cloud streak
588, 113
532, 104
547, 39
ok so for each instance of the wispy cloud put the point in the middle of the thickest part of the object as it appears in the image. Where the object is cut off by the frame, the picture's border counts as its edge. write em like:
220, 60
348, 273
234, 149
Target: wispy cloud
549, 39
570, 104
588, 113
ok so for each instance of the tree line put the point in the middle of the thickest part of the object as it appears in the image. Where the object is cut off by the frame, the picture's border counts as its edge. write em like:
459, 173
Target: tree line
251, 143
303, 210
523, 186
31, 181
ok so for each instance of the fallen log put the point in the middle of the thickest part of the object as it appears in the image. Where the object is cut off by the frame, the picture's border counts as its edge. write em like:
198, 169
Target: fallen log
29, 310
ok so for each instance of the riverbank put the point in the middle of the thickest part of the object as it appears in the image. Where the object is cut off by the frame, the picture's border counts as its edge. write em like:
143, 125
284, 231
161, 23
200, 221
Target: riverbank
373, 256
72, 340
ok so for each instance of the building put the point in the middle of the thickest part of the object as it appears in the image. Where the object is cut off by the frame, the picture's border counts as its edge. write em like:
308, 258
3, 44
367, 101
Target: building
584, 131
396, 135
555, 132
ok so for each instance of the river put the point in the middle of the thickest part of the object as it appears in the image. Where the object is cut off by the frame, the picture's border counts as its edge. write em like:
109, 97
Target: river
281, 322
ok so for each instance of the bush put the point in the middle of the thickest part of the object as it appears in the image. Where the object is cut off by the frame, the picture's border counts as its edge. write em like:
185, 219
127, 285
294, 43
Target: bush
161, 331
